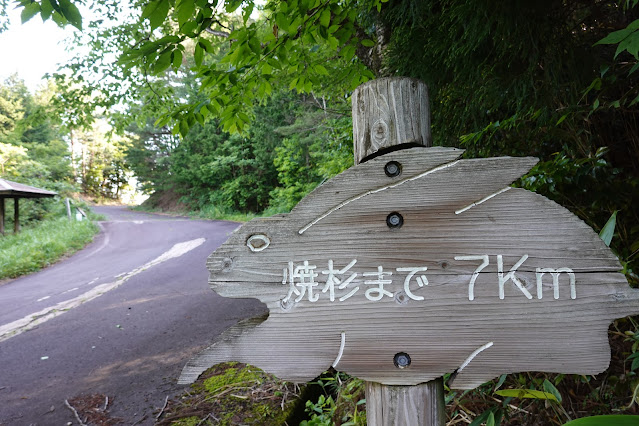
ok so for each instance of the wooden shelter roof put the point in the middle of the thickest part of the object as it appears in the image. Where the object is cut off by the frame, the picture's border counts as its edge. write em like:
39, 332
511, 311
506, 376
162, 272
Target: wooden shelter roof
9, 189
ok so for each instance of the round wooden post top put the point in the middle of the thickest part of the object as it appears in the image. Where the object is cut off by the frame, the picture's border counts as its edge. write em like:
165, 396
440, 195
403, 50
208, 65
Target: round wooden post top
389, 113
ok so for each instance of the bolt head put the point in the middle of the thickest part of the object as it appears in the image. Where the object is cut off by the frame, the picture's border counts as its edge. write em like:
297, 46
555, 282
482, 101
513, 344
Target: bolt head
392, 169
394, 220
401, 360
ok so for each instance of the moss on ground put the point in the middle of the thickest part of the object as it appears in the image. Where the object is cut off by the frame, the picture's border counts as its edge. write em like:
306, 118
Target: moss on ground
231, 394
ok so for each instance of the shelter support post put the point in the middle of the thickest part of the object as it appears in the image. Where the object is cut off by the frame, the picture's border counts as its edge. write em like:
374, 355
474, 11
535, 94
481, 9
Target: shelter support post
2, 215
16, 215
391, 114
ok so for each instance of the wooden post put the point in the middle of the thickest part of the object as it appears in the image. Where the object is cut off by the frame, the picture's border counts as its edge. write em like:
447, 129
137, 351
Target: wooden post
390, 114
16, 215
406, 405
2, 215
68, 208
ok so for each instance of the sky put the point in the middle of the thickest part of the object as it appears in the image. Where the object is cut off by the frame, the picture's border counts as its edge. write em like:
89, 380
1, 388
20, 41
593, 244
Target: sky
32, 49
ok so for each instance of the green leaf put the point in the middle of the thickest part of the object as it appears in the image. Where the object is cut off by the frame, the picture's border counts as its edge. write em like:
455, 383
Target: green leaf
185, 9
157, 12
176, 58
550, 388
490, 421
631, 44
198, 55
618, 36
325, 18
368, 43
246, 14
29, 11
320, 70
561, 120
635, 364
526, 393
163, 62
615, 419
71, 13
608, 230
46, 9
282, 21
59, 19
232, 5
206, 45
501, 381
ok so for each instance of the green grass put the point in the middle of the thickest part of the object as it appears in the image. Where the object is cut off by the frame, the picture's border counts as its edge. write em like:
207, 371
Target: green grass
40, 246
213, 213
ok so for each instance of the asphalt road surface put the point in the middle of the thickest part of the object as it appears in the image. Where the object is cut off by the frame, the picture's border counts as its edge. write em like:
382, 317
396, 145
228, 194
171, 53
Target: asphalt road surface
119, 318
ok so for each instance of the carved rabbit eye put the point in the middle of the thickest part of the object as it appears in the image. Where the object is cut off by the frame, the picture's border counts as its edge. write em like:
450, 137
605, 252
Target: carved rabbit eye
258, 242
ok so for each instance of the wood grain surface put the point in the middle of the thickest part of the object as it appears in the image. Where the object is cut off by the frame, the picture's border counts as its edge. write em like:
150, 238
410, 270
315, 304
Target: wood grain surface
387, 113
462, 223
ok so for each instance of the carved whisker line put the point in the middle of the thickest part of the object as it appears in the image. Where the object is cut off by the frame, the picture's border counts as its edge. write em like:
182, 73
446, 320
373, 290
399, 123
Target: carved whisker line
374, 191
473, 355
341, 350
476, 203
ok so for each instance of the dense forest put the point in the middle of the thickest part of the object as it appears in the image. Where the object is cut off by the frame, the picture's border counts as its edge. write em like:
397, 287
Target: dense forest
246, 107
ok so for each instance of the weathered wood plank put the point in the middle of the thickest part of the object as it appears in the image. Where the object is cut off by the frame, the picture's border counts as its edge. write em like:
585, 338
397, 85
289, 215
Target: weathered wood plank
506, 275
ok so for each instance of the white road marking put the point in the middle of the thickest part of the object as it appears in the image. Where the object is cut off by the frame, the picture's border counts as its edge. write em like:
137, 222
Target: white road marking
43, 298
31, 321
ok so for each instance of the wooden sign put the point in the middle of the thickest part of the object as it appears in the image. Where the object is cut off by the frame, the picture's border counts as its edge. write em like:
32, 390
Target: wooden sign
416, 264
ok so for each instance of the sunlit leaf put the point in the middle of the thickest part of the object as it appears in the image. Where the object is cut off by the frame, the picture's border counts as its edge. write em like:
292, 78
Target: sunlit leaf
29, 11
46, 9
71, 13
325, 18
526, 393
159, 14
185, 9
608, 231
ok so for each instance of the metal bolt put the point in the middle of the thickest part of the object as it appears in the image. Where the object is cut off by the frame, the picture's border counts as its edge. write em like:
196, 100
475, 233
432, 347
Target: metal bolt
394, 220
286, 304
401, 298
401, 360
392, 169
226, 264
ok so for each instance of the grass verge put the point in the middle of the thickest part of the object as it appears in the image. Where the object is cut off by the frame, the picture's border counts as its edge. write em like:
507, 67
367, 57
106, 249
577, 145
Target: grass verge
211, 213
37, 247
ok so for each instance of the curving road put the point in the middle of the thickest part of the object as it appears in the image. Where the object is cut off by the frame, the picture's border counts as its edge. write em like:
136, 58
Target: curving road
119, 318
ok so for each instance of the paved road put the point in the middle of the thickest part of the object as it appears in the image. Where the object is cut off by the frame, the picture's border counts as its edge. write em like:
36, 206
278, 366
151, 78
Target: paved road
119, 318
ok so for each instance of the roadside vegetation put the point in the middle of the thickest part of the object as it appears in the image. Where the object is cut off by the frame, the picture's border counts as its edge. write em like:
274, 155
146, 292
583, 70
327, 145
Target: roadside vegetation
43, 244
35, 150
